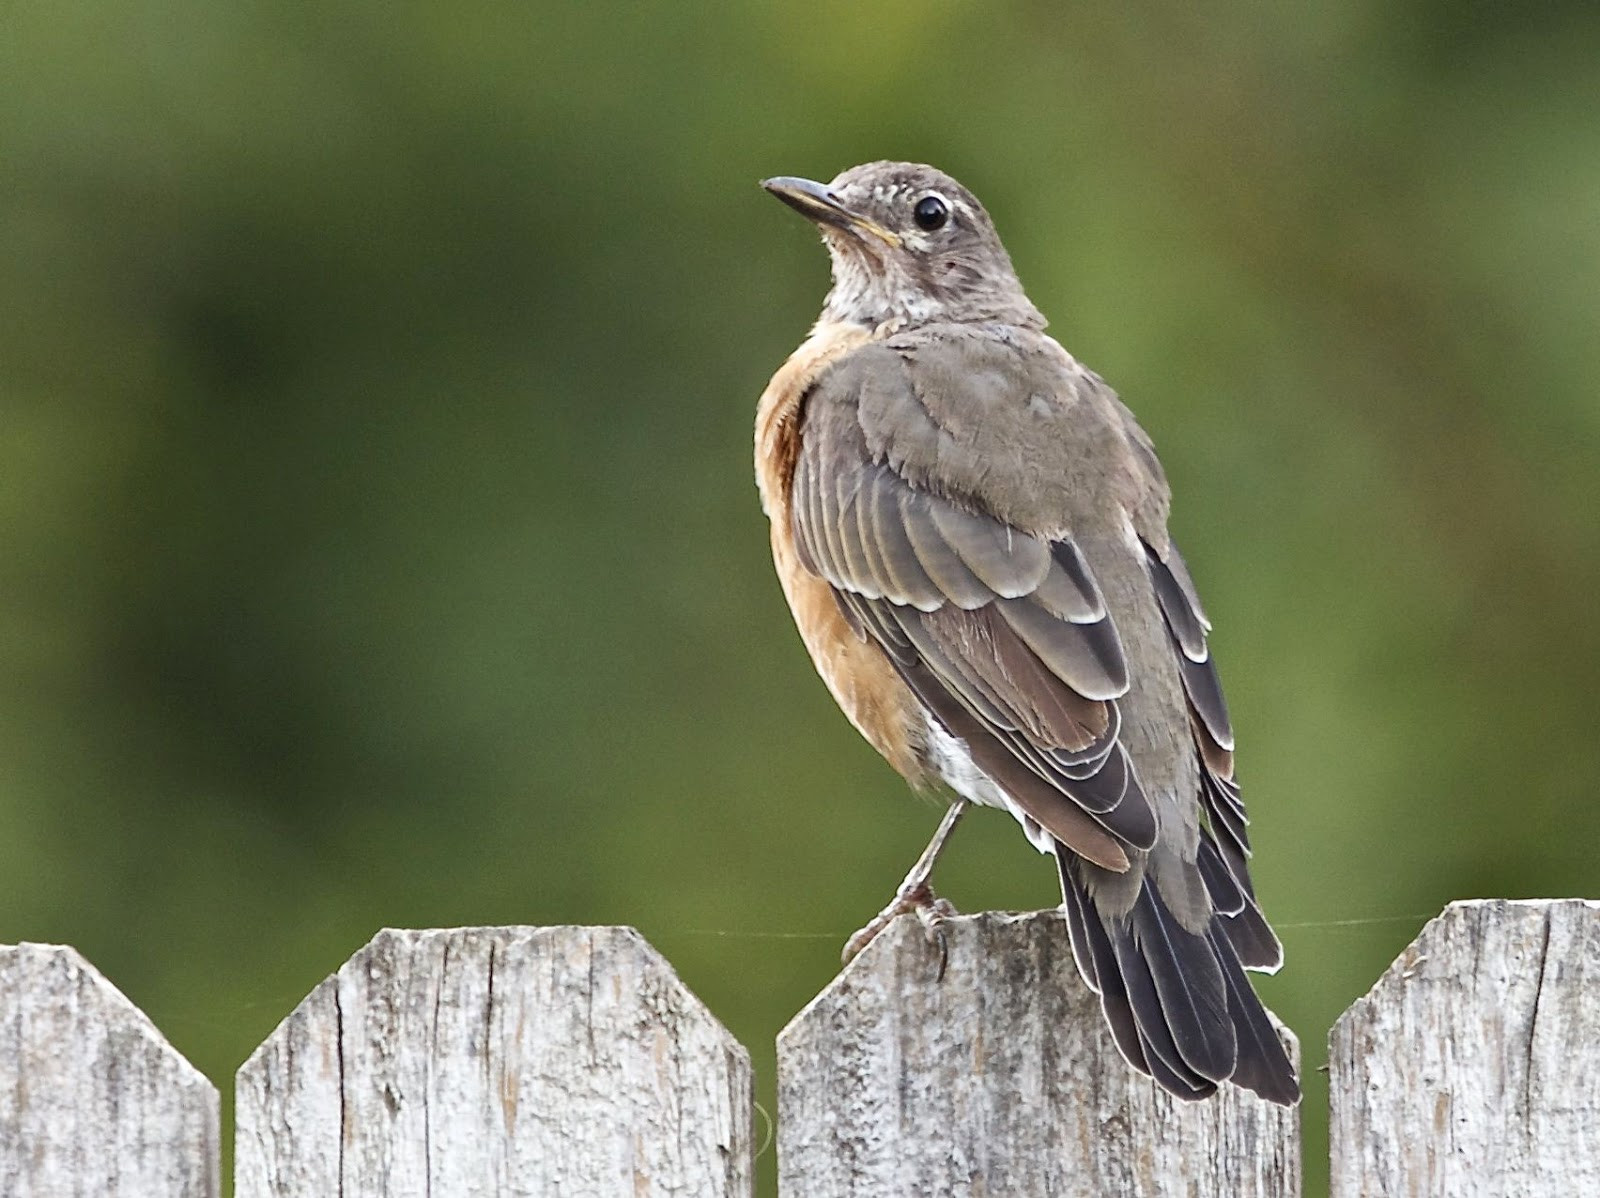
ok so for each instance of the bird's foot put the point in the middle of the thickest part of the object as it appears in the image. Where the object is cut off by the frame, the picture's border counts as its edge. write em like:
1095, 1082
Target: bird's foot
916, 899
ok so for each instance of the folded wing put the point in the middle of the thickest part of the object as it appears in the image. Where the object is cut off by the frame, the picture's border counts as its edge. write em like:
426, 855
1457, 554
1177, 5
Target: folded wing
1004, 636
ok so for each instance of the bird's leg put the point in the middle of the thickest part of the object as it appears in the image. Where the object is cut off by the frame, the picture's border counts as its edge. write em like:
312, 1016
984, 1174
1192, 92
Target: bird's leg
915, 895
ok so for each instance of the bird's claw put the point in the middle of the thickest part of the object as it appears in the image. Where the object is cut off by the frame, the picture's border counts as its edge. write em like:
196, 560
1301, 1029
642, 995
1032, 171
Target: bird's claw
919, 900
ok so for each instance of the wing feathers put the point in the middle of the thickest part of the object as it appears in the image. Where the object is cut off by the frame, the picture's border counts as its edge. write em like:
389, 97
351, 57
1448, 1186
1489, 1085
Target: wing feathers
1224, 850
1227, 897
1186, 623
854, 559
1009, 563
1001, 632
1068, 589
1054, 715
1253, 939
1044, 803
1201, 684
1182, 618
907, 582
1087, 657
939, 561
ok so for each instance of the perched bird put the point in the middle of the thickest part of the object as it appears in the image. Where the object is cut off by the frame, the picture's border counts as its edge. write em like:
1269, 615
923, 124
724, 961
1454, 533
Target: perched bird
971, 531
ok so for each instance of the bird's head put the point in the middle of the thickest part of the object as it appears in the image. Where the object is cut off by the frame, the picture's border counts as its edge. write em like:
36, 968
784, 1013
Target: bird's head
910, 246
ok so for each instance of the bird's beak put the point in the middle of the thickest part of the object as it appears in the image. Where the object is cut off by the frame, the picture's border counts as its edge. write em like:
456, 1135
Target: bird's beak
816, 202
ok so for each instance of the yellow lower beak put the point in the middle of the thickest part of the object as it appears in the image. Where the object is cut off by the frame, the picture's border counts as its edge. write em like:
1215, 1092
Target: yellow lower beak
816, 202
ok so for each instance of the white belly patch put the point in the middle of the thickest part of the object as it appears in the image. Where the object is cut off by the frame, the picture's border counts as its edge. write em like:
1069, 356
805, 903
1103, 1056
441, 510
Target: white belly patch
951, 761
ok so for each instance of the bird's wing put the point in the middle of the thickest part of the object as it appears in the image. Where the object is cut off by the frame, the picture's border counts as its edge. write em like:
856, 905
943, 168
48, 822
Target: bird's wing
1004, 635
1224, 846
1224, 843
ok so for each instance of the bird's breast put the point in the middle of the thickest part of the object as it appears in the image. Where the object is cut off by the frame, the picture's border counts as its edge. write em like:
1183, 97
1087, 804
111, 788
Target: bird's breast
857, 672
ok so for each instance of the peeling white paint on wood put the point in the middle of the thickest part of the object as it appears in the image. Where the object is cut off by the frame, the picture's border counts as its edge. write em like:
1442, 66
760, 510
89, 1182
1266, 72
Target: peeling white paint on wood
93, 1100
1472, 1068
999, 1079
564, 1061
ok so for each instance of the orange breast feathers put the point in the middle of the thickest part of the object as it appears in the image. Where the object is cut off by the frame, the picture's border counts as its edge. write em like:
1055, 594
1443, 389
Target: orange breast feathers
857, 673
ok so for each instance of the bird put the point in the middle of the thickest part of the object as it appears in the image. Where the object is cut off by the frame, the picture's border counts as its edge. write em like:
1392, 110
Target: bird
970, 529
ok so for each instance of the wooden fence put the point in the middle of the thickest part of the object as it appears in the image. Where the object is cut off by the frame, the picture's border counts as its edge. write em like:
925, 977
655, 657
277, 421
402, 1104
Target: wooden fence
572, 1062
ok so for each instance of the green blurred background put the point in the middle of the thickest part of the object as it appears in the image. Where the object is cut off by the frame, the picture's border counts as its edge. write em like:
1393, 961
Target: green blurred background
377, 538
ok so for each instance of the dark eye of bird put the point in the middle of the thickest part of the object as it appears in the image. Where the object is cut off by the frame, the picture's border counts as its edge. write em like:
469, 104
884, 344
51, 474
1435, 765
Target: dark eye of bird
930, 213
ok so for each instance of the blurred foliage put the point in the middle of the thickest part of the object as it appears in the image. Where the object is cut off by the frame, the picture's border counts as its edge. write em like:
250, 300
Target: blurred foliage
377, 539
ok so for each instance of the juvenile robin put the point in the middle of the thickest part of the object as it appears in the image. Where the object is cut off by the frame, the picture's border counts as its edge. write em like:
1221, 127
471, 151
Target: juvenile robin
971, 531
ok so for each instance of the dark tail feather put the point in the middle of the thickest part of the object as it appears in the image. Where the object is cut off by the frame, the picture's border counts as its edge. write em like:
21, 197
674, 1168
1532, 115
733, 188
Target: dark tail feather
1246, 927
1227, 896
1191, 996
1252, 940
1091, 945
1263, 1066
1159, 1039
1078, 928
1128, 994
1178, 1004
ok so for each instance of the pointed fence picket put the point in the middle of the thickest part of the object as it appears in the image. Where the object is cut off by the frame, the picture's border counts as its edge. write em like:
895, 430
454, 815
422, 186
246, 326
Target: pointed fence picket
572, 1062
92, 1099
999, 1078
497, 1061
1473, 1066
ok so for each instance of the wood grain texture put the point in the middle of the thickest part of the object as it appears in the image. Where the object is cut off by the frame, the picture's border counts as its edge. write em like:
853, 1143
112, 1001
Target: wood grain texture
562, 1061
93, 1101
999, 1079
1470, 1070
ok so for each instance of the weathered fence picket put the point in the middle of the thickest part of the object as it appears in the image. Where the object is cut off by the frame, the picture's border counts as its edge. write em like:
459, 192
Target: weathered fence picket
491, 1061
572, 1062
998, 1078
1472, 1068
93, 1101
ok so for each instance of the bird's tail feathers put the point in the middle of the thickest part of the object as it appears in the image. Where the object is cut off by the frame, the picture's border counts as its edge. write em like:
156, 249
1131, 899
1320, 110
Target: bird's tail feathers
1253, 940
1178, 1003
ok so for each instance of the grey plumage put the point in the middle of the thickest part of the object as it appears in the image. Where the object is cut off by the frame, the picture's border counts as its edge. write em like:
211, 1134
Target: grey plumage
993, 519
